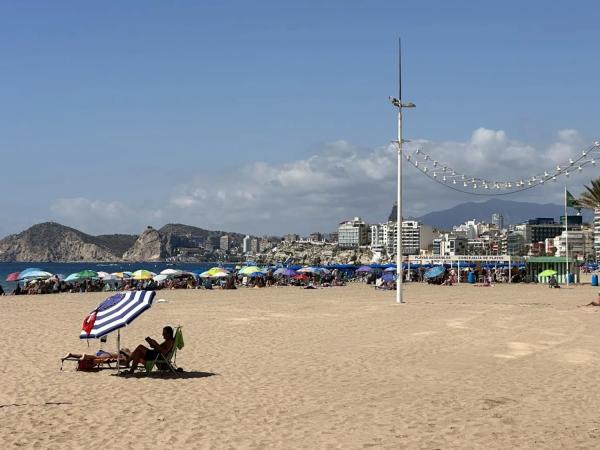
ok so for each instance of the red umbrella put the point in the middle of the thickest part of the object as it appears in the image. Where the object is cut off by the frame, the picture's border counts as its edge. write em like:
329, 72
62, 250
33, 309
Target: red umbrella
13, 276
300, 276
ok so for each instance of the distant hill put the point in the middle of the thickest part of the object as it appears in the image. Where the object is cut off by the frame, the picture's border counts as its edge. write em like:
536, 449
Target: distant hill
513, 212
117, 243
53, 242
157, 245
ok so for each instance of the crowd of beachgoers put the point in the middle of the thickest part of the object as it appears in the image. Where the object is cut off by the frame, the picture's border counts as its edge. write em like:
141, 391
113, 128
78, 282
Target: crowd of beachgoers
37, 281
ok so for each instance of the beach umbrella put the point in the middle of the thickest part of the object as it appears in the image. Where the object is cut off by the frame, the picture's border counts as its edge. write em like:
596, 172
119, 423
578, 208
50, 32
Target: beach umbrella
547, 273
364, 269
34, 273
29, 269
387, 277
142, 275
285, 272
105, 276
122, 275
171, 272
87, 274
82, 275
249, 270
435, 272
220, 275
307, 270
13, 276
114, 313
161, 277
390, 269
300, 276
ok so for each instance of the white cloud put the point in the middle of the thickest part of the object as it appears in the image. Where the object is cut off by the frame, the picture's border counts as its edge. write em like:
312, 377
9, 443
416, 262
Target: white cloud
98, 216
339, 181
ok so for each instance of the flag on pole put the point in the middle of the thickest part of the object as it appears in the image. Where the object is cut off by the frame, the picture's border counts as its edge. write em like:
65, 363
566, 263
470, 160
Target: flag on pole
572, 202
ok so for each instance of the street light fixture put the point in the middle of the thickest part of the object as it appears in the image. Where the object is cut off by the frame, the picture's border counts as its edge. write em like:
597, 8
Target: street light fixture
397, 102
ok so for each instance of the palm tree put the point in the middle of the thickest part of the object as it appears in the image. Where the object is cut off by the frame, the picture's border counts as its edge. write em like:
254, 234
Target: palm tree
590, 198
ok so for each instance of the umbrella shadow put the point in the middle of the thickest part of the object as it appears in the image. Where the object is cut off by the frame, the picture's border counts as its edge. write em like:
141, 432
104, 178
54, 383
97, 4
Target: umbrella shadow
165, 375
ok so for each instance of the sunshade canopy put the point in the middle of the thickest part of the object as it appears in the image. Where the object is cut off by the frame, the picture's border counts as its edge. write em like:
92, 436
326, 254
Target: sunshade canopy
116, 312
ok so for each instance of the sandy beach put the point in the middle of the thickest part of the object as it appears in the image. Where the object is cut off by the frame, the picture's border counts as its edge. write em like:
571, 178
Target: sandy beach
456, 367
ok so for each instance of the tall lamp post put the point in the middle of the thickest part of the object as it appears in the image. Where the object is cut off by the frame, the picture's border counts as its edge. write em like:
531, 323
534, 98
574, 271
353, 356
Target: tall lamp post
397, 102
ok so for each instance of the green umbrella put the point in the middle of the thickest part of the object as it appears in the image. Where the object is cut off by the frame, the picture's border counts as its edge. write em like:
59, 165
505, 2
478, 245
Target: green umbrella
84, 274
547, 273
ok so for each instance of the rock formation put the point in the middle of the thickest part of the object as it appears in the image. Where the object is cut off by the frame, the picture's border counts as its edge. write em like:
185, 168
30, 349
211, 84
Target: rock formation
54, 242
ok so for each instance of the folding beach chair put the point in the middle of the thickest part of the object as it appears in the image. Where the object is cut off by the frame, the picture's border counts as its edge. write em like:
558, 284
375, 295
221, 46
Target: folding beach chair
167, 362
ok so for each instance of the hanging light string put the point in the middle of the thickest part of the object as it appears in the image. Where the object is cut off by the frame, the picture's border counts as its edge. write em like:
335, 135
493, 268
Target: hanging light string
461, 182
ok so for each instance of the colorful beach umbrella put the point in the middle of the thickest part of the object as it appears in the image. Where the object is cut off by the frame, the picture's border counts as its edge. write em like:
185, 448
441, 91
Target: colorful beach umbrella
122, 275
547, 273
115, 312
285, 272
364, 269
435, 272
13, 276
34, 273
82, 275
249, 270
142, 275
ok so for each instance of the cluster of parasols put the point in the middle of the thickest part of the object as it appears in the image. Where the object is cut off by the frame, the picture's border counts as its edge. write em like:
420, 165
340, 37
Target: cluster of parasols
35, 274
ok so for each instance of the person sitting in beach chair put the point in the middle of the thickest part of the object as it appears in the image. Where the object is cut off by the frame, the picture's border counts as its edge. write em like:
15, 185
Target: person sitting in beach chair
164, 362
142, 354
553, 283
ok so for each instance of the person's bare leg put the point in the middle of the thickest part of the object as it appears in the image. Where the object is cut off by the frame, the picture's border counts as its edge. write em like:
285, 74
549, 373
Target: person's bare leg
138, 356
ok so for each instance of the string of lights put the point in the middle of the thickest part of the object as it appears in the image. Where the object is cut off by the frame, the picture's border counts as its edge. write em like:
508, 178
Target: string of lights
475, 185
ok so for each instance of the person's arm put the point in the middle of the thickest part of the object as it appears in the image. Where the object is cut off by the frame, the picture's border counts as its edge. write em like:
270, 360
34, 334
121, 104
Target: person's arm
165, 347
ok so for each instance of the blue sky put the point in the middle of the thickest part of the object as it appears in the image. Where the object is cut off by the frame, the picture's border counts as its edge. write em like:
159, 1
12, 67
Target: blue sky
115, 115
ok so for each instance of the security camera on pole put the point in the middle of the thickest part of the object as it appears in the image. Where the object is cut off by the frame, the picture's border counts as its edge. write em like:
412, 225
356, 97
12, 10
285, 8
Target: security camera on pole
397, 102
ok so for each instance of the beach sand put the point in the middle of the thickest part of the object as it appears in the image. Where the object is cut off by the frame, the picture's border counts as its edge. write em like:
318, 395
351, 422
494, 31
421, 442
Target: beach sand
455, 367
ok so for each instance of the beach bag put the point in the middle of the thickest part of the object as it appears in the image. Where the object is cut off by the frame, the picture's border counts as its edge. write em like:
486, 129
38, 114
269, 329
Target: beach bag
86, 365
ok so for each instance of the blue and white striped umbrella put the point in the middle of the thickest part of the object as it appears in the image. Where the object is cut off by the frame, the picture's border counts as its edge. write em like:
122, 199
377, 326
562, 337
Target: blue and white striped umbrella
118, 311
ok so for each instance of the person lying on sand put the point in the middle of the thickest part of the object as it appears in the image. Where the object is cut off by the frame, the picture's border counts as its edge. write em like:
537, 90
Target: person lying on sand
142, 353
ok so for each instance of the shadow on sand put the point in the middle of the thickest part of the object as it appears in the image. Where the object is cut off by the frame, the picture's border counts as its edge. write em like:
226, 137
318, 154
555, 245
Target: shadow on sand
165, 375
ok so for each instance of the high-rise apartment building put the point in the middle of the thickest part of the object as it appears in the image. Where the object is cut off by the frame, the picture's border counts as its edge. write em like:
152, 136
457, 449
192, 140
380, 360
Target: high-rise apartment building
498, 221
353, 233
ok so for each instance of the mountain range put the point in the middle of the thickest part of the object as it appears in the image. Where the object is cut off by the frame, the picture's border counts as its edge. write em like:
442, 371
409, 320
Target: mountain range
513, 212
53, 242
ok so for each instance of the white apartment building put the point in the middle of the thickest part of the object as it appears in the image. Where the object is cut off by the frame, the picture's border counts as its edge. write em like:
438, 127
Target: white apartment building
471, 229
416, 237
581, 244
450, 245
353, 233
246, 244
